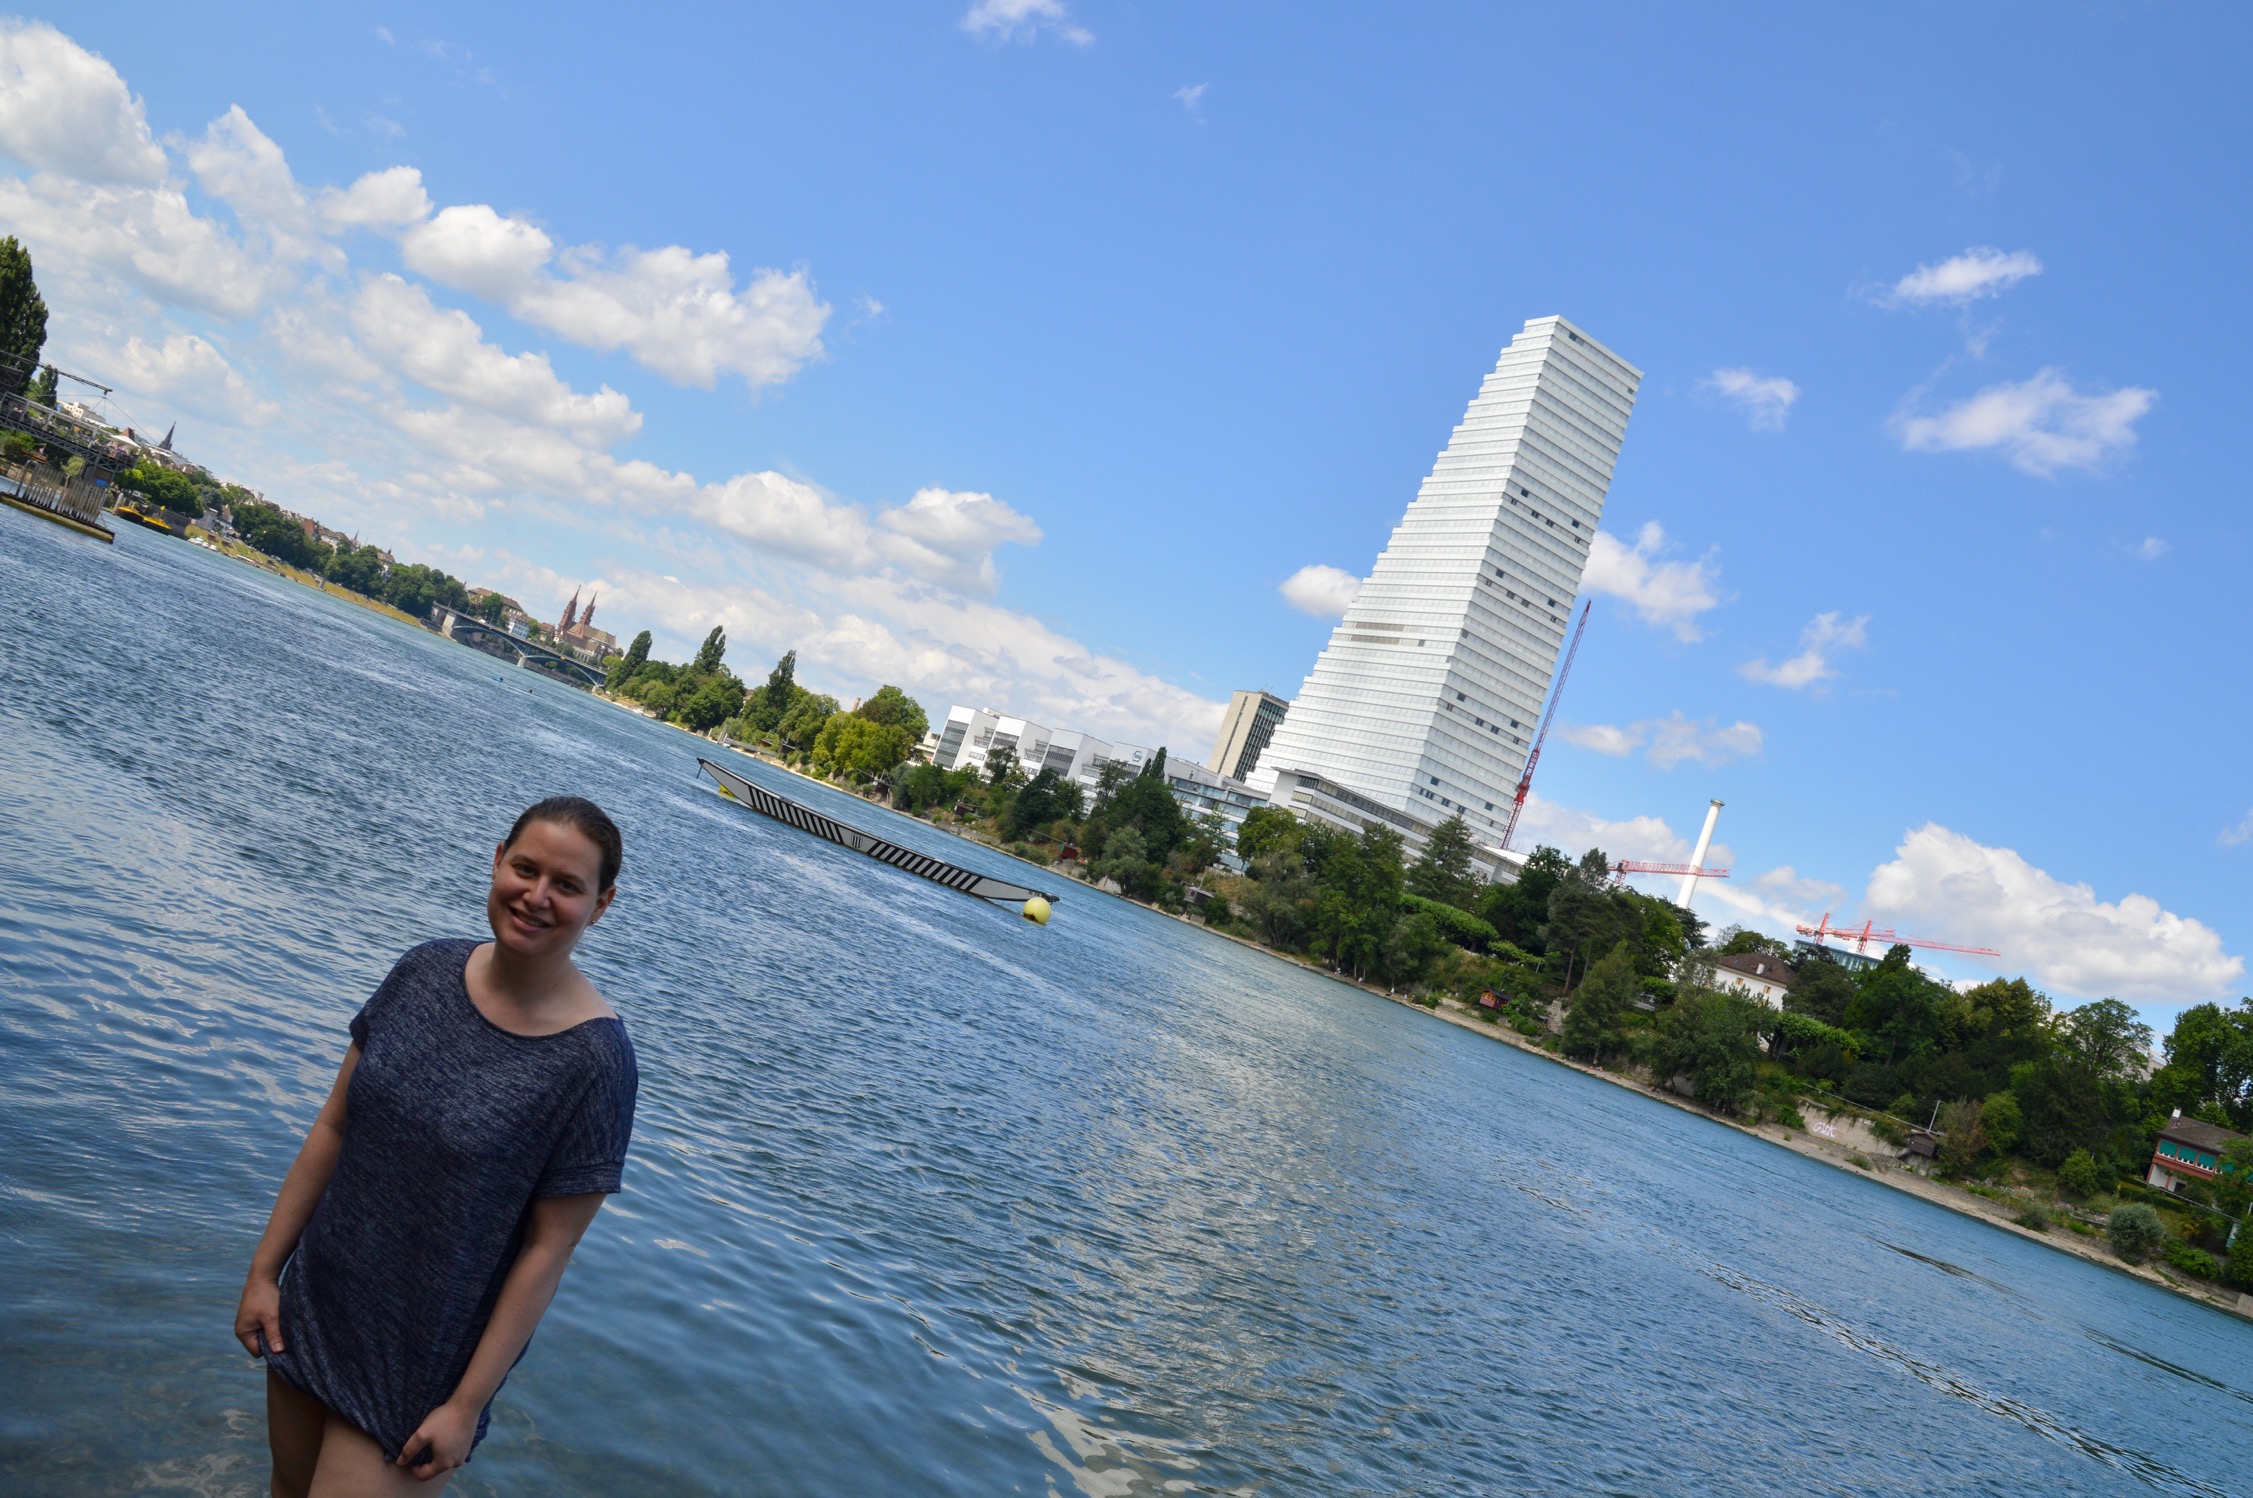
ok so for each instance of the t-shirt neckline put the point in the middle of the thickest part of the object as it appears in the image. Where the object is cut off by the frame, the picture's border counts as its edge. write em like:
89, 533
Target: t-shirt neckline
461, 982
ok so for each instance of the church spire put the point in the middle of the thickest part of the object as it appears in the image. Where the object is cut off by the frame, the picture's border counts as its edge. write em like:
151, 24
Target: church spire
570, 613
587, 620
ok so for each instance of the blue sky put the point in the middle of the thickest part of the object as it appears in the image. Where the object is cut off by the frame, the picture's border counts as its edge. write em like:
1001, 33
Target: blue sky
1052, 339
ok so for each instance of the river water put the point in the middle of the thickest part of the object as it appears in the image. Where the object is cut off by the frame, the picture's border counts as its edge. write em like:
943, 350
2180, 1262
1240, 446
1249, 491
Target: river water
923, 1199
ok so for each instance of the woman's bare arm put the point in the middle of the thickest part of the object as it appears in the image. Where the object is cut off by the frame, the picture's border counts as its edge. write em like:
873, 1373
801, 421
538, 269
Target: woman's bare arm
553, 1229
260, 1312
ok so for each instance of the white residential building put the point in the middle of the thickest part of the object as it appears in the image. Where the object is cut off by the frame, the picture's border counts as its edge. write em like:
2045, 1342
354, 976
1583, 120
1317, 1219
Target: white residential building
1427, 698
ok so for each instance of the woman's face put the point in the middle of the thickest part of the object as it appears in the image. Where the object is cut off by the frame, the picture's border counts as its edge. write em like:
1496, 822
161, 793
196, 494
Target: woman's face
545, 890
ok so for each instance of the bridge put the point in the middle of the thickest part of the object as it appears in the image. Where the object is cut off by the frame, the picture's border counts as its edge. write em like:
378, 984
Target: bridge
474, 632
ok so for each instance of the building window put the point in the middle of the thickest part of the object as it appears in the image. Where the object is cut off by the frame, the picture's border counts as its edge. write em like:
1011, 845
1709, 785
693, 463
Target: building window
1435, 780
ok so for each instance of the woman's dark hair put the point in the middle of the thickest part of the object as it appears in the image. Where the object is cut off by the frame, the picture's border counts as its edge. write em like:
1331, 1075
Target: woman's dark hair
577, 812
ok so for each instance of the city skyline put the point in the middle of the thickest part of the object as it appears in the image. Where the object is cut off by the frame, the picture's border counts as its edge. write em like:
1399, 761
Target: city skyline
1082, 368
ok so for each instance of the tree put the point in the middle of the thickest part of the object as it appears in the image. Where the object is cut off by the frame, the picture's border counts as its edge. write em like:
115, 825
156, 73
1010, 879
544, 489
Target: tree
493, 608
710, 702
856, 746
359, 568
622, 669
1596, 1023
265, 527
1963, 1127
2004, 1121
1737, 942
778, 696
23, 318
1001, 763
46, 390
1126, 861
1519, 909
1583, 917
2136, 1232
2241, 1258
894, 708
1822, 990
1045, 797
2108, 1039
1263, 830
1444, 872
1714, 1040
2079, 1177
711, 652
175, 491
807, 716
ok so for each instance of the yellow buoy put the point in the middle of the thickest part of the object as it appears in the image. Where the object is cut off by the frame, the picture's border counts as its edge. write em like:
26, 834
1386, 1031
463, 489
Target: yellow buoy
1036, 910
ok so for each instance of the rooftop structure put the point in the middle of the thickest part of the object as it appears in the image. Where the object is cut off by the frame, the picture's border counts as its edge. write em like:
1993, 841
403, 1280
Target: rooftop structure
1756, 975
1426, 699
2189, 1150
970, 734
1245, 733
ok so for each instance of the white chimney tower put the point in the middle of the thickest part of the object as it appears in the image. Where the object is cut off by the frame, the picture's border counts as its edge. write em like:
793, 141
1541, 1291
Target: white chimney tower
1697, 859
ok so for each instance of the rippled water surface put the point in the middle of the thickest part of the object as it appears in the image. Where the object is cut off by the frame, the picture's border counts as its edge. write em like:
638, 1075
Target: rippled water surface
923, 1199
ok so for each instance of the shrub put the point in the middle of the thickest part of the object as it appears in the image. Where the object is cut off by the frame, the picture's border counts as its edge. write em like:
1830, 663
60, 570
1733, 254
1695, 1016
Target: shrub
2135, 1230
2238, 1261
2192, 1260
2079, 1177
1858, 1160
2032, 1216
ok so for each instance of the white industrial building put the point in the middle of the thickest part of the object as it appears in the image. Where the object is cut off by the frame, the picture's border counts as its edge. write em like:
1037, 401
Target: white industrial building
970, 734
1426, 700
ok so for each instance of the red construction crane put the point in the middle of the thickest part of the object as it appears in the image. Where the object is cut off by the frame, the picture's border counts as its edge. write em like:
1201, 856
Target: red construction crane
1556, 694
1626, 866
1866, 933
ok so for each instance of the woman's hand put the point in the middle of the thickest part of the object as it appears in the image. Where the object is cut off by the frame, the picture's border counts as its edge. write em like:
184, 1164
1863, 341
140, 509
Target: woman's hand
260, 1315
441, 1443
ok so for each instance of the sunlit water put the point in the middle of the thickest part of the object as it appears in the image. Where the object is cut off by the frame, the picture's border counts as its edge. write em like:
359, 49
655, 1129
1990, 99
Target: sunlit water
923, 1199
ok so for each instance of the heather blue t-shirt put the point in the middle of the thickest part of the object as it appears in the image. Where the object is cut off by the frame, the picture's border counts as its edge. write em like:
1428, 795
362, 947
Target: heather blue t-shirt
453, 1127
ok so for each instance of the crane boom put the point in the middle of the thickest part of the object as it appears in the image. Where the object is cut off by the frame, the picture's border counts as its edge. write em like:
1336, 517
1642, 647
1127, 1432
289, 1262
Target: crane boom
1868, 932
1556, 695
1626, 866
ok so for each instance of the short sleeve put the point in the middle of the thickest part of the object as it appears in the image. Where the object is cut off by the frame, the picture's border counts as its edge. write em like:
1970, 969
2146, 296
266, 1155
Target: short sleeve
590, 1153
387, 992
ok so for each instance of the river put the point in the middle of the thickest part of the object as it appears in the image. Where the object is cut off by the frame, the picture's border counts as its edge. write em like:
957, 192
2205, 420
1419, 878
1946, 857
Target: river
923, 1199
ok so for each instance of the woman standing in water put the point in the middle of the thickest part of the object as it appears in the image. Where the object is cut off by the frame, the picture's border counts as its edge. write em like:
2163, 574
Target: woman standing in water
480, 1116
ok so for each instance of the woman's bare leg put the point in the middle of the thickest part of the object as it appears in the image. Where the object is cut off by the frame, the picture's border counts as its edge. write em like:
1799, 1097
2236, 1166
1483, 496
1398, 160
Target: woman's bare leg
352, 1466
294, 1421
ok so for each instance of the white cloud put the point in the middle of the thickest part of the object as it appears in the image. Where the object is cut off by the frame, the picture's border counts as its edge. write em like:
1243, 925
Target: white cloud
1956, 889
1824, 635
1764, 399
1191, 95
2241, 833
1603, 738
2042, 424
422, 423
1022, 20
189, 373
1573, 831
949, 536
1325, 592
63, 109
2150, 549
1965, 278
676, 312
445, 351
1669, 594
1671, 740
390, 199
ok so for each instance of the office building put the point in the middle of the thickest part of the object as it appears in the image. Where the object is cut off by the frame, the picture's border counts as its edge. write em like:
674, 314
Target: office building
1245, 732
970, 734
1426, 700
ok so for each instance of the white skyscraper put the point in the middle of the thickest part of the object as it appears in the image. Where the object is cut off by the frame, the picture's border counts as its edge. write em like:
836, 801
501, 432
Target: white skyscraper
1426, 700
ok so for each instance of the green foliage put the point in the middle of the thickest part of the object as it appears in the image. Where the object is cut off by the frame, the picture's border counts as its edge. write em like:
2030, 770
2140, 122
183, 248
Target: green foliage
1265, 829
1714, 1040
2191, 1260
803, 722
160, 485
46, 389
1796, 1034
1821, 990
926, 787
2241, 1258
1596, 1022
853, 745
265, 527
2136, 1232
892, 708
709, 702
23, 315
1046, 798
2005, 1121
622, 669
1444, 873
2078, 1177
711, 652
415, 589
772, 702
19, 447
2210, 1061
2033, 1216
1519, 910
493, 608
1737, 941
1451, 921
1963, 1130
359, 568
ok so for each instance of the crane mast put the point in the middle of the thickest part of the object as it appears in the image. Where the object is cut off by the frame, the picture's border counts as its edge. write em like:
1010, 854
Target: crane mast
1556, 695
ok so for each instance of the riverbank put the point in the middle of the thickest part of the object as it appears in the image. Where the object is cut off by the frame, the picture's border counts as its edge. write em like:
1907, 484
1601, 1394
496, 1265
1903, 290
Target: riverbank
1855, 1151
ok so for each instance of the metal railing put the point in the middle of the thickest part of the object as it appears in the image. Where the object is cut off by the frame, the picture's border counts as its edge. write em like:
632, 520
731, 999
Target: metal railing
77, 497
